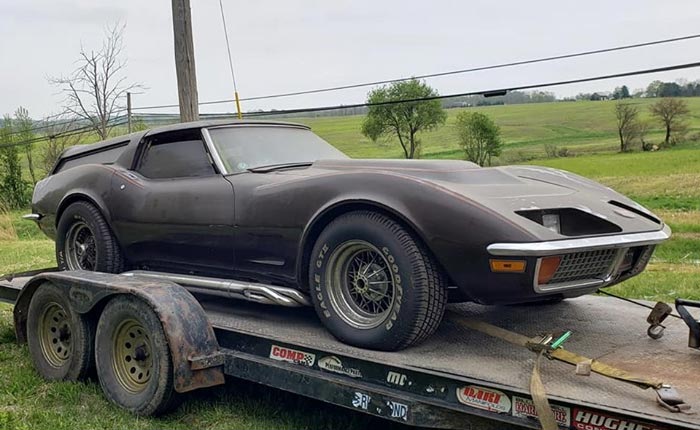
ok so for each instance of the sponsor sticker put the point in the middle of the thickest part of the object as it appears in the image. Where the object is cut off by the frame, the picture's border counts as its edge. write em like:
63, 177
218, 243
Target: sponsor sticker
396, 378
525, 408
397, 410
484, 398
584, 419
281, 353
361, 400
333, 364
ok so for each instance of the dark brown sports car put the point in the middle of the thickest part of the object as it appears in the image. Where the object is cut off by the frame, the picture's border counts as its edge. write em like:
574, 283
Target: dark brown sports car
270, 212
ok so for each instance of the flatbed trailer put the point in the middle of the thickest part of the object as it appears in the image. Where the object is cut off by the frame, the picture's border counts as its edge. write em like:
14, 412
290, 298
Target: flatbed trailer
459, 378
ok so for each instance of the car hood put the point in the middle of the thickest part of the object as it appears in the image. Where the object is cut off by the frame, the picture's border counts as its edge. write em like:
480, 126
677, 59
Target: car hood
512, 190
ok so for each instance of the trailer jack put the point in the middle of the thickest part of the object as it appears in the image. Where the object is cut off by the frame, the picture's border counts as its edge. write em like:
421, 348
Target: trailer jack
661, 311
693, 324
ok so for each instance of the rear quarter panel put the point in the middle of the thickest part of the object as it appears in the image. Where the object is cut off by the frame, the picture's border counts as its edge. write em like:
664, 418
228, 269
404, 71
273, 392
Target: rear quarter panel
53, 194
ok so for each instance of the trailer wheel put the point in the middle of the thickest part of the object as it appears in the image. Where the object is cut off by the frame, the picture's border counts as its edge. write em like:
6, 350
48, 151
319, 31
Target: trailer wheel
133, 359
374, 285
84, 241
60, 340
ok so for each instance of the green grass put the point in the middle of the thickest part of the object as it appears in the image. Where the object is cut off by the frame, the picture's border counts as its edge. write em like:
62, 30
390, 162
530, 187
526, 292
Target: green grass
667, 181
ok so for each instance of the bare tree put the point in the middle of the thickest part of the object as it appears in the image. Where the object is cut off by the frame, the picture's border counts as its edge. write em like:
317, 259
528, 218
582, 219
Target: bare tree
96, 89
628, 125
672, 113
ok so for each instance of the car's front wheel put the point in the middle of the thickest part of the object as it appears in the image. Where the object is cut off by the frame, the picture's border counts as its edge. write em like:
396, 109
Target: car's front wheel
374, 285
84, 241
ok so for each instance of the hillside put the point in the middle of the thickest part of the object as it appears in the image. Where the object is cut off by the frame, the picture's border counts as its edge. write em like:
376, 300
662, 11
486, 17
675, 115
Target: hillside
582, 127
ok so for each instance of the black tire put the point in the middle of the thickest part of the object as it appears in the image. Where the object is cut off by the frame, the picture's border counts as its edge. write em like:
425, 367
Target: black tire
60, 340
152, 394
418, 285
108, 256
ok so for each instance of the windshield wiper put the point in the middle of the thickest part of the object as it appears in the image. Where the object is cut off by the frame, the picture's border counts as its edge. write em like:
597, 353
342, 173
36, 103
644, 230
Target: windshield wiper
273, 167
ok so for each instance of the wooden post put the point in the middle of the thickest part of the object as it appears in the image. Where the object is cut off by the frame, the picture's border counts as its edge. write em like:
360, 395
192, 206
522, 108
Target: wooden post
128, 111
184, 61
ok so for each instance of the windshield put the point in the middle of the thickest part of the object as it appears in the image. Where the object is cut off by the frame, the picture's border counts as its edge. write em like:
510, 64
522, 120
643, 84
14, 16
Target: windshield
247, 147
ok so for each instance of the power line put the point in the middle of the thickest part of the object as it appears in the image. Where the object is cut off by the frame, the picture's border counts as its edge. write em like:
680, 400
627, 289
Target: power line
228, 46
452, 72
56, 123
121, 120
495, 92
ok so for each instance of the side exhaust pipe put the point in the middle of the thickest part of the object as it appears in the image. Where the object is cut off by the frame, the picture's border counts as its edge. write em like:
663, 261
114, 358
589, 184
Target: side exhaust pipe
259, 293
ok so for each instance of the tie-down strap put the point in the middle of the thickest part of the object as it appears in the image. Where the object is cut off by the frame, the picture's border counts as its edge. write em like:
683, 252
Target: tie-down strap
667, 396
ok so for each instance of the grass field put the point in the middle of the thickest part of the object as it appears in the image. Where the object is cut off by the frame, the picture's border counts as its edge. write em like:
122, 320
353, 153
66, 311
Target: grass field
668, 182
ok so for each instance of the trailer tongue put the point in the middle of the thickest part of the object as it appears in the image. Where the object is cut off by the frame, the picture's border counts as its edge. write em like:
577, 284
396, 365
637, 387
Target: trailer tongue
460, 378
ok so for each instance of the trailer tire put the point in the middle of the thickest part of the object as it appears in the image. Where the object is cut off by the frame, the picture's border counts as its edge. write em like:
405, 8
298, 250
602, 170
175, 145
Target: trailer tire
373, 284
134, 364
60, 340
84, 241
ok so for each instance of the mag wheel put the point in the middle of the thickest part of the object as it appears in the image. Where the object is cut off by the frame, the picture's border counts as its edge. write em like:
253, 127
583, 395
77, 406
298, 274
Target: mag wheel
373, 284
60, 340
80, 247
84, 241
133, 358
362, 288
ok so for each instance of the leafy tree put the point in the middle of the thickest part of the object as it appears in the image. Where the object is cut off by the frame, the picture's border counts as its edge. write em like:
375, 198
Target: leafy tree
628, 124
403, 120
671, 113
61, 134
23, 133
654, 88
14, 191
479, 137
621, 93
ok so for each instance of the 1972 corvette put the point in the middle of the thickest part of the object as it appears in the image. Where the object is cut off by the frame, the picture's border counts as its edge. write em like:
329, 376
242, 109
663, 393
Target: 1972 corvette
270, 212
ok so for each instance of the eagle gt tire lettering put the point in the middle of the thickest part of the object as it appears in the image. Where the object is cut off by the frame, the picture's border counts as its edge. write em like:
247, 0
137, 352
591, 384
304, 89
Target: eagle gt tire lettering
374, 285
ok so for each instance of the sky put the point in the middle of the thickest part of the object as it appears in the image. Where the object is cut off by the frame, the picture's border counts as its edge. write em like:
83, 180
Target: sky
292, 45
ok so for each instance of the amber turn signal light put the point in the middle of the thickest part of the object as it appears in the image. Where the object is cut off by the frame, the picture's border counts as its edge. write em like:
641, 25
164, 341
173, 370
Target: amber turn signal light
507, 266
548, 267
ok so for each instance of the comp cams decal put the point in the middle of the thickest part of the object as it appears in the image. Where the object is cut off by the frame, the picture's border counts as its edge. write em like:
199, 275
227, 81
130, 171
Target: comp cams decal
484, 398
525, 408
333, 364
281, 353
583, 419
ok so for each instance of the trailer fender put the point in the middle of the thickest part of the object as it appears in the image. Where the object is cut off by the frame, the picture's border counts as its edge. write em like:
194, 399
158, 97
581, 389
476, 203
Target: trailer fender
197, 361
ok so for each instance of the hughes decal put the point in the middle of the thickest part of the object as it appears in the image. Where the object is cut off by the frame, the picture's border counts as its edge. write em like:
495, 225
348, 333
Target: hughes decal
281, 353
333, 364
524, 408
589, 420
484, 398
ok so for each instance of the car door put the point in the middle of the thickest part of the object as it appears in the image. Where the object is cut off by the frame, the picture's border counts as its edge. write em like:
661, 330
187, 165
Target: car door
173, 210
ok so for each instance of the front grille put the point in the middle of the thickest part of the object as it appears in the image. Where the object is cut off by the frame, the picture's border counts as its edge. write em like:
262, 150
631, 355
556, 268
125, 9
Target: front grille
585, 265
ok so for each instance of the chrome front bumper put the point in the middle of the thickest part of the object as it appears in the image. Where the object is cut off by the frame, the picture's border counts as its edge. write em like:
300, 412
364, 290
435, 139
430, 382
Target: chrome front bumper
554, 247
621, 244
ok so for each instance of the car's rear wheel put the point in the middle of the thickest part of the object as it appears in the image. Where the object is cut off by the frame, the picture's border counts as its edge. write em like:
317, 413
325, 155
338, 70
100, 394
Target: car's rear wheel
84, 241
373, 284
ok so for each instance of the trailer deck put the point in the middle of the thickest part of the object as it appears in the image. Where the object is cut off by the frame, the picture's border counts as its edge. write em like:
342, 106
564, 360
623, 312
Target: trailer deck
461, 378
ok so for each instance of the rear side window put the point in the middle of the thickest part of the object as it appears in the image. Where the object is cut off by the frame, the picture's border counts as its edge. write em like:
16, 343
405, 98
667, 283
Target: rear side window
107, 155
175, 155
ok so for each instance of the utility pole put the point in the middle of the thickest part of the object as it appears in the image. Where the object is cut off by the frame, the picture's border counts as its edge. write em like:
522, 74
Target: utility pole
184, 61
128, 111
